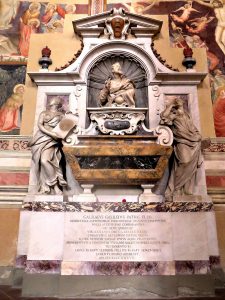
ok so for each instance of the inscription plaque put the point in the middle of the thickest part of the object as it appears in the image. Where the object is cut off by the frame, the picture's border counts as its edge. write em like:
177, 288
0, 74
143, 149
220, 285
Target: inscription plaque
98, 236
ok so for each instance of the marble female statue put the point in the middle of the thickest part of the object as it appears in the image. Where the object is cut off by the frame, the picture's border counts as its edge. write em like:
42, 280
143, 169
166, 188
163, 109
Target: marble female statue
46, 150
118, 91
187, 148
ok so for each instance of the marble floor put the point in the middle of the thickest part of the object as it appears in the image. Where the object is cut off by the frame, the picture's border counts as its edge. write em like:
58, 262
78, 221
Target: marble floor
8, 293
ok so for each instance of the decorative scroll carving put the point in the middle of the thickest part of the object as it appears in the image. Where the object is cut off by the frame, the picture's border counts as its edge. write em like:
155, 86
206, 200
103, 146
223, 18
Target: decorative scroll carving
156, 94
117, 122
165, 135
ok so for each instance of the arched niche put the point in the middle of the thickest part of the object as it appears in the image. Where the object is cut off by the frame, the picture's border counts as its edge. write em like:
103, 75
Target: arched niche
102, 70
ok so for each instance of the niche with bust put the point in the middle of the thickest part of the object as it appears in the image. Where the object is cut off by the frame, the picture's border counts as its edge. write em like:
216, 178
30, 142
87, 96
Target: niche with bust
117, 85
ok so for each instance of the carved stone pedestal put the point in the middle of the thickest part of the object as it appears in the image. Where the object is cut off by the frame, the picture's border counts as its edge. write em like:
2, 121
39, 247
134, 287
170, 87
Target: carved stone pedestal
143, 250
147, 196
87, 195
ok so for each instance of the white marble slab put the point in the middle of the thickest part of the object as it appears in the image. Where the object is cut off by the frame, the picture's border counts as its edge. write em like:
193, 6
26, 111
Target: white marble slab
97, 236
47, 198
117, 194
46, 236
212, 233
117, 198
190, 240
24, 230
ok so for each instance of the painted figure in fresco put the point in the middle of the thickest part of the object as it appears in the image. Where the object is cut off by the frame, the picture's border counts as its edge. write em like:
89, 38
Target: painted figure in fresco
10, 110
8, 10
118, 91
46, 150
213, 60
49, 17
50, 11
187, 148
217, 80
187, 10
219, 10
53, 19
29, 23
199, 24
219, 112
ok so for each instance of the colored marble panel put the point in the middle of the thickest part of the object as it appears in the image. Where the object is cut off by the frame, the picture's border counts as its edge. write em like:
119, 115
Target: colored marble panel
14, 178
21, 261
118, 268
43, 266
215, 181
117, 206
192, 267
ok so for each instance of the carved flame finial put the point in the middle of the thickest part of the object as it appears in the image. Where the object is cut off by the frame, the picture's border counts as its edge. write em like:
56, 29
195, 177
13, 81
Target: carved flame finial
45, 61
188, 60
46, 52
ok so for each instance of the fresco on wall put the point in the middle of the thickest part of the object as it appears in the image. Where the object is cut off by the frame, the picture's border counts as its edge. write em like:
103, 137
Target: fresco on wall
12, 90
197, 24
19, 19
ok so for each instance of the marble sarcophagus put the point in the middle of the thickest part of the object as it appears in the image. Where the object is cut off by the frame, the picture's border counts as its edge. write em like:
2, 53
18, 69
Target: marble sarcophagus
117, 160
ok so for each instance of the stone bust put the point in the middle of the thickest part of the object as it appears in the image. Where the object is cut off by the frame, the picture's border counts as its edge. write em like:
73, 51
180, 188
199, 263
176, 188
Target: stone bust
118, 91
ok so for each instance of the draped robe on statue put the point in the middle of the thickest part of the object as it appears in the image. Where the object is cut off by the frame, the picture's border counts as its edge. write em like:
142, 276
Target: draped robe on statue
46, 155
121, 92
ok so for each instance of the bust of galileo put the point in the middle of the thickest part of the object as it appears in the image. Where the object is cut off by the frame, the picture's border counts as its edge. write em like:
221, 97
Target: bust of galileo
118, 91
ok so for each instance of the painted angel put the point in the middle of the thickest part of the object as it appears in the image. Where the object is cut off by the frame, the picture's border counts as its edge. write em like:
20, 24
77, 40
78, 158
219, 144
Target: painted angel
199, 24
187, 10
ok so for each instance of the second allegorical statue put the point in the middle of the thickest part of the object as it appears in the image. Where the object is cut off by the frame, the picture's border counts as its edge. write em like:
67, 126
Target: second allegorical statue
46, 150
118, 91
187, 148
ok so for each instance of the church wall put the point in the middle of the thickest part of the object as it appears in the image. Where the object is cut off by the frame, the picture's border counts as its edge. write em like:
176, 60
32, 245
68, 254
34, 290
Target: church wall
9, 223
158, 9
